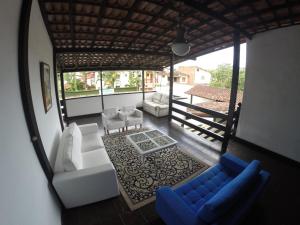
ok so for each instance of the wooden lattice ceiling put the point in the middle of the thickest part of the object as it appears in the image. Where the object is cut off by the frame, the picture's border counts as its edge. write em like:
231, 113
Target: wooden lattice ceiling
134, 34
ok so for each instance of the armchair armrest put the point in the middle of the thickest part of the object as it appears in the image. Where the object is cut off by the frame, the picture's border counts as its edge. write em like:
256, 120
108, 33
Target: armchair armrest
233, 163
139, 113
88, 128
104, 119
85, 186
172, 209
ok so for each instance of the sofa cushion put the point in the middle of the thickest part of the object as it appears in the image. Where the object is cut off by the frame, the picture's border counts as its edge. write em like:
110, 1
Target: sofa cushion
164, 99
72, 152
110, 113
230, 194
91, 142
95, 158
156, 98
59, 166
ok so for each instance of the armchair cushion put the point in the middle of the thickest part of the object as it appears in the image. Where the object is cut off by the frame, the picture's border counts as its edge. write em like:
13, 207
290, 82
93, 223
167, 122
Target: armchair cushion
110, 113
223, 200
127, 110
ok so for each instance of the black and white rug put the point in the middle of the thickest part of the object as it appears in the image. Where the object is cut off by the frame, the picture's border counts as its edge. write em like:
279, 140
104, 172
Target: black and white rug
140, 178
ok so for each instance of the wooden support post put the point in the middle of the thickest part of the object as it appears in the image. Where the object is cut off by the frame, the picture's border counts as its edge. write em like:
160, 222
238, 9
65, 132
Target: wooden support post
56, 91
234, 87
63, 96
171, 85
101, 86
143, 84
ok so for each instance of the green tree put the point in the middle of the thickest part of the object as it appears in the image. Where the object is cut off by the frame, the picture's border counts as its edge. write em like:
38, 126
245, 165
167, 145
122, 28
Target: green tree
221, 77
110, 78
134, 79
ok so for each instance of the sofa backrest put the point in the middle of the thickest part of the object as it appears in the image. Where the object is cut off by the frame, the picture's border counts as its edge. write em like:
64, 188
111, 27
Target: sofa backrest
69, 151
230, 194
164, 99
156, 97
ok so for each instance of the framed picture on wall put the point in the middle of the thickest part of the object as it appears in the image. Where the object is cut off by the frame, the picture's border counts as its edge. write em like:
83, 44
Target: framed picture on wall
46, 85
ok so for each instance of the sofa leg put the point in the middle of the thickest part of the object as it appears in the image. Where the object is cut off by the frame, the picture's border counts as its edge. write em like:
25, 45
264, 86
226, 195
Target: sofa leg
126, 128
107, 132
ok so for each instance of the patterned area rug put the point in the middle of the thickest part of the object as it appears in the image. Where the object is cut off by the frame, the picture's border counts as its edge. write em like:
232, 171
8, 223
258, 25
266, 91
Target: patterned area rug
139, 180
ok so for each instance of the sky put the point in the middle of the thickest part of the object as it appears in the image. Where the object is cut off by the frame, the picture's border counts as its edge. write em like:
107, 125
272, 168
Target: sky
212, 60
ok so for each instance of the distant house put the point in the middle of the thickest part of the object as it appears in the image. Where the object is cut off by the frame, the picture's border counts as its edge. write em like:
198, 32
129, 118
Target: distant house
217, 98
196, 75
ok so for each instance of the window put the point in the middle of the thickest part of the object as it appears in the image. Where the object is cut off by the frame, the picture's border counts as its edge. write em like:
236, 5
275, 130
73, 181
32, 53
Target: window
115, 82
80, 84
157, 81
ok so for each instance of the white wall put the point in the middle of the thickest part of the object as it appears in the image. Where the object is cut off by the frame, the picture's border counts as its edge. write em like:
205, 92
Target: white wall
83, 106
91, 105
40, 50
25, 198
271, 105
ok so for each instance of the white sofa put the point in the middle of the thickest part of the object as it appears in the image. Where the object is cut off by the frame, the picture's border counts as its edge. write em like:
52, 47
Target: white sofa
83, 172
157, 104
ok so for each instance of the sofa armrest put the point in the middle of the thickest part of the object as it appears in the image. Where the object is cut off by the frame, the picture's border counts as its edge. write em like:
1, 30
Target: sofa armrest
172, 209
233, 163
88, 128
85, 186
139, 113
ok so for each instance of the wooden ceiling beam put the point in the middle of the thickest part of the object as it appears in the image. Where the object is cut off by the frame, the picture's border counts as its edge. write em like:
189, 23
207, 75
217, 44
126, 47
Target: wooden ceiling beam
125, 20
274, 12
72, 21
113, 68
204, 9
99, 19
105, 50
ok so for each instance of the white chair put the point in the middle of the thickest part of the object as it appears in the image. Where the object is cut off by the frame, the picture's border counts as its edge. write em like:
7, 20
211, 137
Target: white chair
112, 119
133, 116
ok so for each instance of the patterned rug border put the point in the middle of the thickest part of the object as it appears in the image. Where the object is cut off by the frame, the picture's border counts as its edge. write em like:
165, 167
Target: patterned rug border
136, 206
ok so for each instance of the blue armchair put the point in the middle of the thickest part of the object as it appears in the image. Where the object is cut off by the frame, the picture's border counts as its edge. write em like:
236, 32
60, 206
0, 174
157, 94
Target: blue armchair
221, 195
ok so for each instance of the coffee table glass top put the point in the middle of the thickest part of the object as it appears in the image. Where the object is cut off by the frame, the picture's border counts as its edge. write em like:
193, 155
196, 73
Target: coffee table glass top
150, 141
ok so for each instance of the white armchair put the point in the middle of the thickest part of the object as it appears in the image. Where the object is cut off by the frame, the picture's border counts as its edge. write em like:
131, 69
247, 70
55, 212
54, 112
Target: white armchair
133, 116
112, 119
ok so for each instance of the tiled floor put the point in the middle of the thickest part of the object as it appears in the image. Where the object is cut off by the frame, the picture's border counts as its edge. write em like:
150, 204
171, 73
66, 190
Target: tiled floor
279, 205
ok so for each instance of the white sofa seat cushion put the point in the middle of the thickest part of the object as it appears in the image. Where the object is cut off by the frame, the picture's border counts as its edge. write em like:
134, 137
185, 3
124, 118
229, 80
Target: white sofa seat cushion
91, 142
95, 158
151, 104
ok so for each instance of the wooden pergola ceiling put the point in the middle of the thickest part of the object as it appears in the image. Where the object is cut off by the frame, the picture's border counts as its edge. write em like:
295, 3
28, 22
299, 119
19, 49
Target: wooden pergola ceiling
134, 34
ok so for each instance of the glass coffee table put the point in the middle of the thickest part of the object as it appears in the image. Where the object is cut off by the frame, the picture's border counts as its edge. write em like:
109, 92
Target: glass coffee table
149, 141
